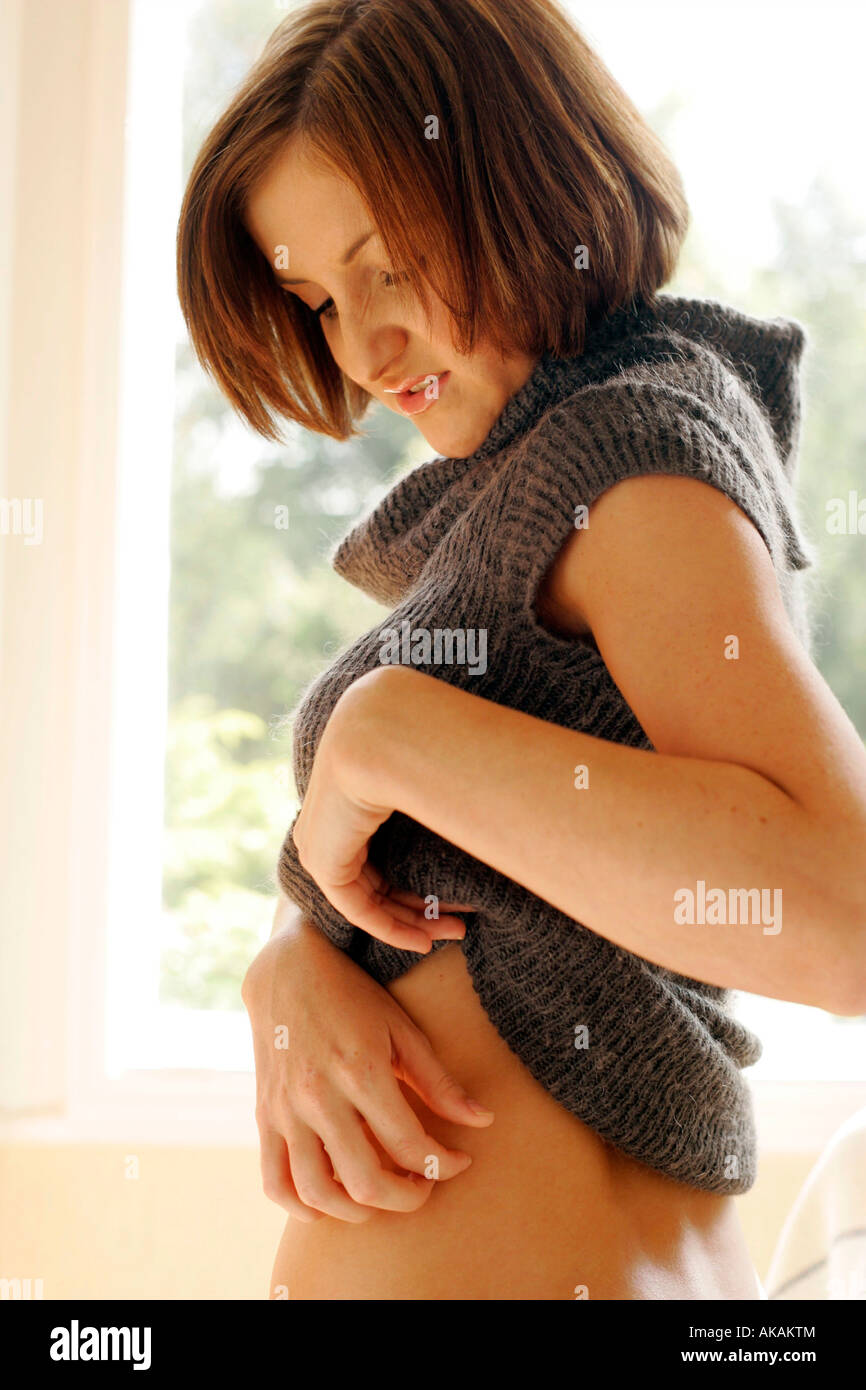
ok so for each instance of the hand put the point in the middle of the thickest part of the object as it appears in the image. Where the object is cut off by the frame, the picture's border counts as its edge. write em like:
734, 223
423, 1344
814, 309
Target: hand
319, 1100
332, 833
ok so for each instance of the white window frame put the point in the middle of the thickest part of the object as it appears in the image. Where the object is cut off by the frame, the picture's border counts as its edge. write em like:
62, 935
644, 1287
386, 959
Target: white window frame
109, 473
143, 1036
84, 890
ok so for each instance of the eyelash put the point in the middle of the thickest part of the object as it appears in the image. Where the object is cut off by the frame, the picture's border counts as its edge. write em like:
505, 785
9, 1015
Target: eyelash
392, 277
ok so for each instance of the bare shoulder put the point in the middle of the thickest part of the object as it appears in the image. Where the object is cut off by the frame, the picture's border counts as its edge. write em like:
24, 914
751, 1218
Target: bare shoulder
588, 569
677, 586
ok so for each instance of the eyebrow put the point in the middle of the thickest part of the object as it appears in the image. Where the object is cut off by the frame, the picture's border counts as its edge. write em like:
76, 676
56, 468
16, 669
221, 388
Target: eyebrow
346, 258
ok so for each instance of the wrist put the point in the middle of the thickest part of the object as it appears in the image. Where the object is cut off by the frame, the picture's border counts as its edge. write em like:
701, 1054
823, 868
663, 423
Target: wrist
294, 932
293, 937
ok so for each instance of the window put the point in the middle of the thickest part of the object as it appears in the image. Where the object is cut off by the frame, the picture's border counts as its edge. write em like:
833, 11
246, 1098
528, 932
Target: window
224, 614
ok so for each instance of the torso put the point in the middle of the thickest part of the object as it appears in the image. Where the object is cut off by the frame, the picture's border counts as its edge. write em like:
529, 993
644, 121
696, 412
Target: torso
548, 1210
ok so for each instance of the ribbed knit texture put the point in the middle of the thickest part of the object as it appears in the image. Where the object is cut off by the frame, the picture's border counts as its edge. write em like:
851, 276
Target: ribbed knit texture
678, 386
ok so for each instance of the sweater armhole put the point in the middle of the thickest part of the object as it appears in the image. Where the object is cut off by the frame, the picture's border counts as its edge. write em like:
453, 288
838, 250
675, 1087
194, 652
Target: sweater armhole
303, 890
610, 433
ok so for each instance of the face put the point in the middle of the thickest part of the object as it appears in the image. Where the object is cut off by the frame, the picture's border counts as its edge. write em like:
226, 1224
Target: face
372, 323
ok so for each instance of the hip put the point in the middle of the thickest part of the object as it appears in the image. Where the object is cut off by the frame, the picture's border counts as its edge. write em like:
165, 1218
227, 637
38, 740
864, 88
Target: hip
548, 1209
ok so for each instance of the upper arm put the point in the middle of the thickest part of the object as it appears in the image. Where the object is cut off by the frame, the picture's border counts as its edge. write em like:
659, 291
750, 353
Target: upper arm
680, 593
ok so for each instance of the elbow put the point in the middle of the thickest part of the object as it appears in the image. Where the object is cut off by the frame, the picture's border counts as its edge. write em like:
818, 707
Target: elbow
848, 1002
834, 906
849, 975
848, 1005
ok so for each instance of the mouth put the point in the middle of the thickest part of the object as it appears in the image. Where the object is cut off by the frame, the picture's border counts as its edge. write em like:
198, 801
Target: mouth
422, 394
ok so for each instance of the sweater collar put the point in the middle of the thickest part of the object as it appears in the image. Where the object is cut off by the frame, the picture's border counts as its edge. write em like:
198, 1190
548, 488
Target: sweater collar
384, 553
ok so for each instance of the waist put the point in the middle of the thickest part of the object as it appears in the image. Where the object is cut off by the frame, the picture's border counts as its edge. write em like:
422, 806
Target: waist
548, 1209
533, 1127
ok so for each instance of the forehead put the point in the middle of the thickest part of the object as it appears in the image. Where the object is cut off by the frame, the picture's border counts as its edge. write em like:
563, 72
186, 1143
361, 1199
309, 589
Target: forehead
307, 207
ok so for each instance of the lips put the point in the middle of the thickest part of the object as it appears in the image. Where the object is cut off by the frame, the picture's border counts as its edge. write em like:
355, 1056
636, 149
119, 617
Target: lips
412, 403
410, 382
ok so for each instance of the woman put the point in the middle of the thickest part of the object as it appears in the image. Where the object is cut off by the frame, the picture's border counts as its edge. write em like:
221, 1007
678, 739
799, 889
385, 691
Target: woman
502, 883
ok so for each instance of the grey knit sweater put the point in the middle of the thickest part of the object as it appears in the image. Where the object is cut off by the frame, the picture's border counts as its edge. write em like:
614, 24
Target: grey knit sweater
648, 1058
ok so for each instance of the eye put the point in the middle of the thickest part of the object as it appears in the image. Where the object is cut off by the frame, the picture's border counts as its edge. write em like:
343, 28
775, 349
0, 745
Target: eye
391, 279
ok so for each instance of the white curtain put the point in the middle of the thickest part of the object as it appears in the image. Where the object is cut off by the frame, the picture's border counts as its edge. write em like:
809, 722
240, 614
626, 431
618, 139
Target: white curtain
821, 1253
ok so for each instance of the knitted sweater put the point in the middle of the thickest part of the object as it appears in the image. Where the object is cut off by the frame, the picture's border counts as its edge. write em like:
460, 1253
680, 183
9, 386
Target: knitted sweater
650, 1059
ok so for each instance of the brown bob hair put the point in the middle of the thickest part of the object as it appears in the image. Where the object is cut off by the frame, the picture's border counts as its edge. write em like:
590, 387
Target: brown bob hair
537, 151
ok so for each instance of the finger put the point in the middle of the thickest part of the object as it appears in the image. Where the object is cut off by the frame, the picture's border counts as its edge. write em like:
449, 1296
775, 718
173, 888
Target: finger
438, 928
276, 1172
314, 1178
397, 904
405, 895
415, 1062
349, 1142
396, 1127
363, 907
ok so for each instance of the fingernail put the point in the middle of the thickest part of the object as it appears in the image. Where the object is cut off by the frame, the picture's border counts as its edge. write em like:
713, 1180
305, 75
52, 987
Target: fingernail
479, 1109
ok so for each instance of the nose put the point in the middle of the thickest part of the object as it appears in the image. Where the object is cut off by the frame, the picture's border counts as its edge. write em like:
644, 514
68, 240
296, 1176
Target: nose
372, 352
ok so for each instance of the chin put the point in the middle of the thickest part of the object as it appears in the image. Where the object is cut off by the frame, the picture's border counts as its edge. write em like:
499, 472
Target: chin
449, 444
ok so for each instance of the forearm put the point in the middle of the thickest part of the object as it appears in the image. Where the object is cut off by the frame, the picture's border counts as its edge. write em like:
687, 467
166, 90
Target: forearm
617, 855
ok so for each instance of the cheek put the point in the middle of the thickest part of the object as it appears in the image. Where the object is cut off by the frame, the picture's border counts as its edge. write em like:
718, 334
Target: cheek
334, 342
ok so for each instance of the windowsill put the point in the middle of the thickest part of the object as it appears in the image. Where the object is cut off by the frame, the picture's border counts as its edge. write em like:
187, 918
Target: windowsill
186, 1108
